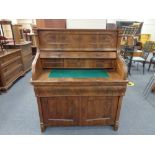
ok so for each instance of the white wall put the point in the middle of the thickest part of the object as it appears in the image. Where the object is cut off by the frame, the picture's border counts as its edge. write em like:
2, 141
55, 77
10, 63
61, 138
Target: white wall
26, 23
149, 27
86, 23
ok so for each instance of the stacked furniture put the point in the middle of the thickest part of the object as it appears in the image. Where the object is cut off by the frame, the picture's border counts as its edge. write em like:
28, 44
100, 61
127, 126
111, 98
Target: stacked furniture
79, 77
121, 24
18, 42
11, 67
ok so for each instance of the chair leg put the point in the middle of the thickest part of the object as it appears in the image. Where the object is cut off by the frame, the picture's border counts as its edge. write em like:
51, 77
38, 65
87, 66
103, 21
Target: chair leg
129, 66
149, 66
148, 85
137, 65
143, 67
149, 89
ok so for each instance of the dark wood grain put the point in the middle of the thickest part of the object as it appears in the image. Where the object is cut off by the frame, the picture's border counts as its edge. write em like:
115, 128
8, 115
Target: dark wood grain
73, 101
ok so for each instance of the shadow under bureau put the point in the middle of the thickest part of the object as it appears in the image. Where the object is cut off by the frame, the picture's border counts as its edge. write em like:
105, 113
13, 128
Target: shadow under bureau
79, 77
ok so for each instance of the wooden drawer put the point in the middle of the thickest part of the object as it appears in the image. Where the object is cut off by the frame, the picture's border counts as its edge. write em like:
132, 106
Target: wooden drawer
6, 68
11, 71
52, 63
9, 57
76, 63
14, 74
80, 91
3, 65
105, 63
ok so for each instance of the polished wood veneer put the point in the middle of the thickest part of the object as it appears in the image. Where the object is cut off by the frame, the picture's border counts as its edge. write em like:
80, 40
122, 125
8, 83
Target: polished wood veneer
78, 101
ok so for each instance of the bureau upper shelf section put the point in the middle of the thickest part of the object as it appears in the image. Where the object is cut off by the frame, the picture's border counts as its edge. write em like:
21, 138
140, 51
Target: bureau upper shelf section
77, 39
97, 55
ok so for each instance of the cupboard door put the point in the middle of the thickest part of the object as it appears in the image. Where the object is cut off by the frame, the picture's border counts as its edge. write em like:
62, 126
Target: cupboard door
60, 111
98, 110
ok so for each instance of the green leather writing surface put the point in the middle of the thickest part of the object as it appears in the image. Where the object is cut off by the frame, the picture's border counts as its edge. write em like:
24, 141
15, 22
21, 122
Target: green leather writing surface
78, 73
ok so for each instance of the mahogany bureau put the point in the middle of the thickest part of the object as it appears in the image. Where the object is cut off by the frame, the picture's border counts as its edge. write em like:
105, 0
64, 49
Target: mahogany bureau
71, 101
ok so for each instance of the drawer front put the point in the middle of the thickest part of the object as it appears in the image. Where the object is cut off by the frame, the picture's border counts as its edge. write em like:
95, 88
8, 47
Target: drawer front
11, 71
79, 63
11, 65
80, 91
52, 63
11, 77
9, 57
105, 63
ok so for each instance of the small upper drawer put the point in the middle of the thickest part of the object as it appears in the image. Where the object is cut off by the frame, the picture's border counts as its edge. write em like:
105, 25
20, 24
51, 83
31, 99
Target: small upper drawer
14, 75
10, 57
48, 91
11, 65
52, 63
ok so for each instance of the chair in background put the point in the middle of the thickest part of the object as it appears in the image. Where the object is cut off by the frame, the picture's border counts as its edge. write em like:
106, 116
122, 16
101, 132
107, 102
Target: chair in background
128, 39
147, 48
149, 85
111, 26
152, 61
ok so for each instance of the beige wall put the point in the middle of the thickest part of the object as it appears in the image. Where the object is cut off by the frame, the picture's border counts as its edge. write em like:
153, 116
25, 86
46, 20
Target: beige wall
26, 23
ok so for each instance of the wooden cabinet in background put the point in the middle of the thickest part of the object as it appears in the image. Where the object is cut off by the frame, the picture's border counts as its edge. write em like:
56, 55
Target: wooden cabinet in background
51, 23
26, 52
153, 88
11, 67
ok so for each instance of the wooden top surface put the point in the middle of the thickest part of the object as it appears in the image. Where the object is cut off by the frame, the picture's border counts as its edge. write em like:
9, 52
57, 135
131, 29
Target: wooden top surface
43, 78
9, 51
19, 44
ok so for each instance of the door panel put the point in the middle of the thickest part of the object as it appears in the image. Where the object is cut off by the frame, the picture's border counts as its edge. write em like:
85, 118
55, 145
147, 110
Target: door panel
98, 110
60, 110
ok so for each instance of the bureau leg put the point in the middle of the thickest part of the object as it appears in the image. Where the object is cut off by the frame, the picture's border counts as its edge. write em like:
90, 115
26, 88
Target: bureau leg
115, 127
116, 124
42, 127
